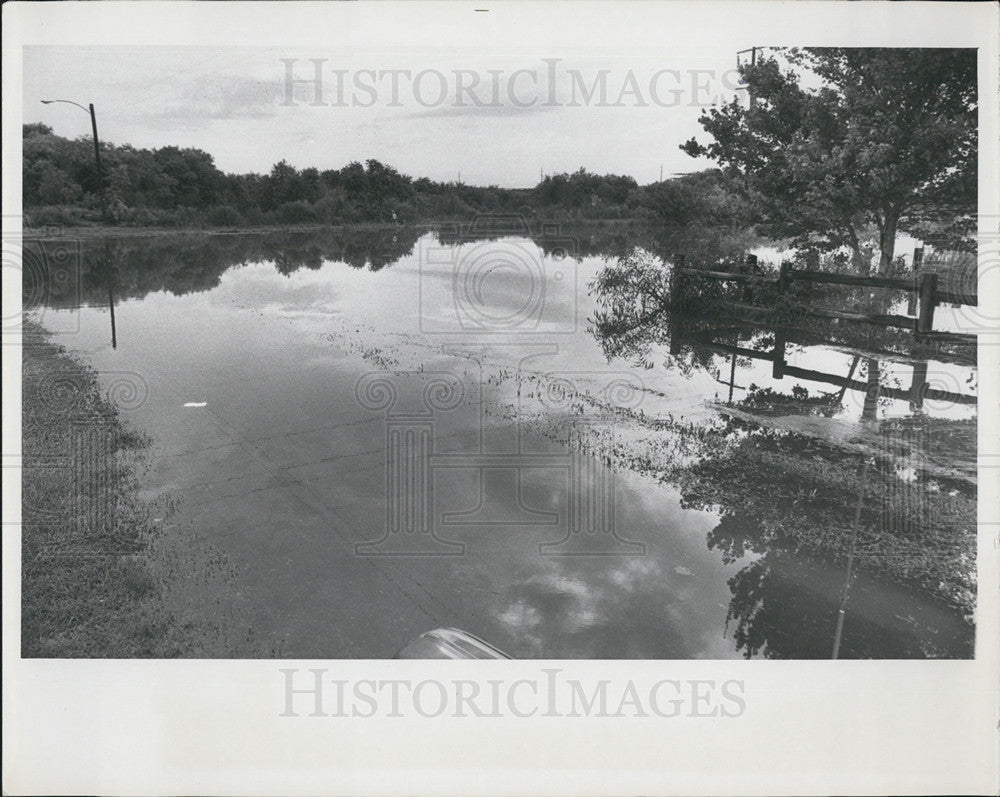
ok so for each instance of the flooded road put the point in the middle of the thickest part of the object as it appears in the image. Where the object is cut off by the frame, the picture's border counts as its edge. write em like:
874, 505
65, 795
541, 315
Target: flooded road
386, 432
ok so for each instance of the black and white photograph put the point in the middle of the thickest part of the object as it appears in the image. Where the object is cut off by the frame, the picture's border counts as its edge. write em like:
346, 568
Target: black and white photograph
345, 339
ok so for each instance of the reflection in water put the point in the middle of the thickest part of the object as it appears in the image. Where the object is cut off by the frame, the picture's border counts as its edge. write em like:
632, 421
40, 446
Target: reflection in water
189, 262
803, 504
741, 472
806, 506
186, 263
112, 255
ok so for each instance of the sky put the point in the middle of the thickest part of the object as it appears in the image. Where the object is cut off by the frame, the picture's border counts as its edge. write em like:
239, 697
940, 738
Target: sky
485, 116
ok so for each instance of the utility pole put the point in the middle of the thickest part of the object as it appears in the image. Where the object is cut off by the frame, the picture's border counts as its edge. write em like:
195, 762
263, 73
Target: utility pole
104, 208
753, 62
97, 152
100, 171
846, 589
731, 384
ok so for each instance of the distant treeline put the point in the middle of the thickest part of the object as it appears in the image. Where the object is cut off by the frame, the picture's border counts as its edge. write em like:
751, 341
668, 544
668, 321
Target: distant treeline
175, 187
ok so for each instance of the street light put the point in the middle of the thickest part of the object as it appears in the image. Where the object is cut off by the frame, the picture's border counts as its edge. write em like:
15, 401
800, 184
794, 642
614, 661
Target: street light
97, 151
104, 207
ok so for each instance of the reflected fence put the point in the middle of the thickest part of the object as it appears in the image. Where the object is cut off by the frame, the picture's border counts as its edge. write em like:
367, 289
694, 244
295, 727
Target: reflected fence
919, 390
925, 296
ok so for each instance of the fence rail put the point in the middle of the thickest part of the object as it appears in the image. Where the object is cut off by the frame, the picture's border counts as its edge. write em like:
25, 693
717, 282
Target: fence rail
916, 393
923, 287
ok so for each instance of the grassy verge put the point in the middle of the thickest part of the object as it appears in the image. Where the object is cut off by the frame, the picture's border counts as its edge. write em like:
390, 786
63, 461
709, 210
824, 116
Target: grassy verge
88, 588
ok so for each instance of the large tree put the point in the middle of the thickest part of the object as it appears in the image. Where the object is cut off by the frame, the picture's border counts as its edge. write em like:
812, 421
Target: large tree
842, 145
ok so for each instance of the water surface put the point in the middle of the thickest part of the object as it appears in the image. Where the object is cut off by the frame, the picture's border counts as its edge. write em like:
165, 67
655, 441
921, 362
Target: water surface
383, 432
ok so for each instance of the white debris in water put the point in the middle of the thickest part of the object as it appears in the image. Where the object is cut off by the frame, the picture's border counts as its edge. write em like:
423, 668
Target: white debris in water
196, 404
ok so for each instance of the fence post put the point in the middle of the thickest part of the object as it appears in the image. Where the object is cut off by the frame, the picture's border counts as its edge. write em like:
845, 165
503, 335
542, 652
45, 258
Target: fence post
784, 277
918, 385
749, 266
676, 297
778, 358
677, 280
928, 299
675, 339
778, 363
918, 262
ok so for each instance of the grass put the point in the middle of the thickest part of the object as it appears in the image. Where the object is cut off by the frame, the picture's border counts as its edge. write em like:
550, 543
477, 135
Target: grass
88, 586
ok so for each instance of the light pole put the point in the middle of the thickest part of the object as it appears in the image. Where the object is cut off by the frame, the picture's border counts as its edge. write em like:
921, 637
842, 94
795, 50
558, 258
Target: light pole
104, 205
97, 152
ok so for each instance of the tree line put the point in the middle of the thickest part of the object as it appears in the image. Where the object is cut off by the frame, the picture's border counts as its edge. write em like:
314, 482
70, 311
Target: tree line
829, 149
182, 187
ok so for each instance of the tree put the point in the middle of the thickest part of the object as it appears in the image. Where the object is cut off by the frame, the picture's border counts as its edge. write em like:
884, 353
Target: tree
55, 188
886, 140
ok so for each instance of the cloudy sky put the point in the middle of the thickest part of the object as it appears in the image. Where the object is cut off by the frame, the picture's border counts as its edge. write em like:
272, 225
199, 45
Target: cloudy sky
495, 117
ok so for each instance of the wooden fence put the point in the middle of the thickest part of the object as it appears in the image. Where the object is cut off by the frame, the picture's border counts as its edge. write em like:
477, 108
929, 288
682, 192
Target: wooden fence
923, 288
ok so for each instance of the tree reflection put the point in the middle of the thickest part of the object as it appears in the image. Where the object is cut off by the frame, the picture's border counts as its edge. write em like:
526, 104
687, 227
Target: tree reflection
787, 500
189, 263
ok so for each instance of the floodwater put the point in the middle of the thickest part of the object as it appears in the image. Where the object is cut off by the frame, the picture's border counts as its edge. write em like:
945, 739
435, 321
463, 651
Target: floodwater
376, 433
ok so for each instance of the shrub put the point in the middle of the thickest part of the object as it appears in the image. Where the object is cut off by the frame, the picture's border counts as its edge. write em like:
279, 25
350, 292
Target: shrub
224, 216
298, 212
